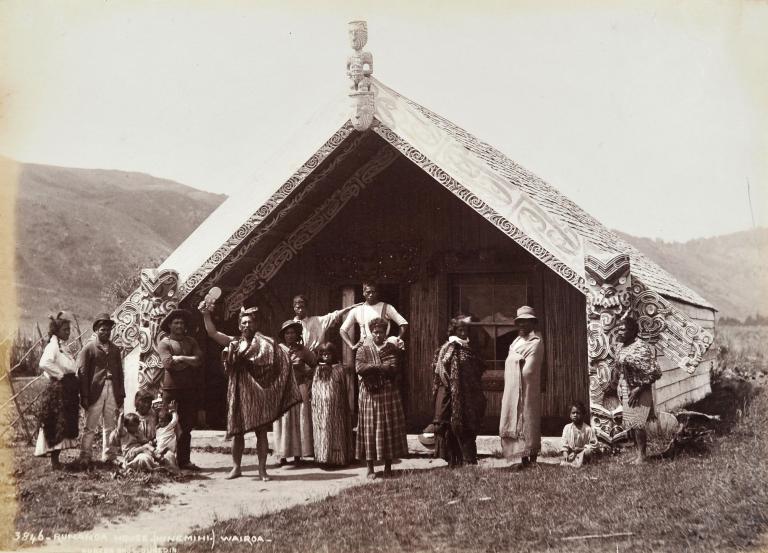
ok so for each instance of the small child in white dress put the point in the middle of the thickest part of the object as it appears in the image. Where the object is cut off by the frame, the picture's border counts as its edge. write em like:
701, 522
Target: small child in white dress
165, 436
579, 442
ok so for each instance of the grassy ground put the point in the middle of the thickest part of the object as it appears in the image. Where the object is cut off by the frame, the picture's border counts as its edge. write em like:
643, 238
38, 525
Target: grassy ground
72, 500
713, 499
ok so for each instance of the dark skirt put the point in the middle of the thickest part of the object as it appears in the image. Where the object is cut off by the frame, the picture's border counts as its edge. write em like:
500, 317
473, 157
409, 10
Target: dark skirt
456, 448
60, 409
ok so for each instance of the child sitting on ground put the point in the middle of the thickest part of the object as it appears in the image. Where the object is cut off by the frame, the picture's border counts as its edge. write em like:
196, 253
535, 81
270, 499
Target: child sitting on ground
579, 442
144, 403
165, 436
138, 452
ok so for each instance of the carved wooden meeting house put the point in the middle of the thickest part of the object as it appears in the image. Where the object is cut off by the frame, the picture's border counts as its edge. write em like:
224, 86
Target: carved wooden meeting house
381, 188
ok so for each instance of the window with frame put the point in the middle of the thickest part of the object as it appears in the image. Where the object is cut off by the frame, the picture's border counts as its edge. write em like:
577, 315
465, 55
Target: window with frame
492, 300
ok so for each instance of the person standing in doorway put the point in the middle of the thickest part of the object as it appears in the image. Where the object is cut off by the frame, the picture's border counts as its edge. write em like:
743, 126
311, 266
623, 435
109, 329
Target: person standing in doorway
315, 327
363, 314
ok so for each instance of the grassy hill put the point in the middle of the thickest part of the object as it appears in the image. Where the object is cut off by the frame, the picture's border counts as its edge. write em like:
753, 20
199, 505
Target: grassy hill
731, 271
78, 230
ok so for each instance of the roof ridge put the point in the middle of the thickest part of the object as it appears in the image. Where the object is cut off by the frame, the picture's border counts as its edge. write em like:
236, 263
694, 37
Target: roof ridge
561, 206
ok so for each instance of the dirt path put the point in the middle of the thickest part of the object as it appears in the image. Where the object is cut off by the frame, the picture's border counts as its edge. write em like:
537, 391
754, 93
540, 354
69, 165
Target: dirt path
202, 501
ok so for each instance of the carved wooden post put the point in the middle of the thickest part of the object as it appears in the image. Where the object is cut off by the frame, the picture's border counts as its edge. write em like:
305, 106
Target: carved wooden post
158, 298
359, 70
608, 300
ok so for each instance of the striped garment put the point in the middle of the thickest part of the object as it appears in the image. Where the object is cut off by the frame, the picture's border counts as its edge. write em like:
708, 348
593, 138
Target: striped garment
637, 367
381, 421
331, 422
261, 385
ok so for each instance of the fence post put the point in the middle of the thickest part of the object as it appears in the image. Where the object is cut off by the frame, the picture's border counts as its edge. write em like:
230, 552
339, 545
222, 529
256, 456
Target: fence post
18, 409
79, 333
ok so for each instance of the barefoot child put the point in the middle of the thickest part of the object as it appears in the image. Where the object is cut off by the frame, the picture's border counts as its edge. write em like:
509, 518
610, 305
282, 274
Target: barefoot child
331, 426
579, 442
165, 436
137, 451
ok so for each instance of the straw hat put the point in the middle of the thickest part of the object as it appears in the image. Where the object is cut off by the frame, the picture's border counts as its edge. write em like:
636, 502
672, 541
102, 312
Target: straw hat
526, 312
288, 324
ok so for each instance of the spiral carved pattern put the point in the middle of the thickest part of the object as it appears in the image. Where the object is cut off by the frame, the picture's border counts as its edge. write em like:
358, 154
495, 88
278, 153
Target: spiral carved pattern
324, 214
197, 278
474, 202
680, 339
265, 227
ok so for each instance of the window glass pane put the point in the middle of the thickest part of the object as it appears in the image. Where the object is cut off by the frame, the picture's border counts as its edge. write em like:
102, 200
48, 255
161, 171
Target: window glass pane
482, 339
505, 335
477, 301
507, 298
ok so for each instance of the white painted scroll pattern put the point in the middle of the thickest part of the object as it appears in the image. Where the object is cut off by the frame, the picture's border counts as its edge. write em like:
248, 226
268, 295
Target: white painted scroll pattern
268, 207
476, 203
608, 301
159, 297
265, 227
324, 214
679, 338
457, 161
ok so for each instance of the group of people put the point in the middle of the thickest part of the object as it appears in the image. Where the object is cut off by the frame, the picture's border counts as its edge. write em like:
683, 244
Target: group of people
295, 385
460, 404
95, 381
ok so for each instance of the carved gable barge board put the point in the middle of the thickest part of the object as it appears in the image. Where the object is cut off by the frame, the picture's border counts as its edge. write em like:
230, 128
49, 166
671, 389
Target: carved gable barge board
248, 234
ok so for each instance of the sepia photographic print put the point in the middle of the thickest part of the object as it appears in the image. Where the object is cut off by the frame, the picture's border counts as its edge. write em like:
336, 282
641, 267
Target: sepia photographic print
377, 277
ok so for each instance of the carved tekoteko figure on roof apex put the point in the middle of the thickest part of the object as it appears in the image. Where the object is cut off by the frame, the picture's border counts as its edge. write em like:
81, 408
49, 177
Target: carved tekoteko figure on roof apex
359, 70
608, 301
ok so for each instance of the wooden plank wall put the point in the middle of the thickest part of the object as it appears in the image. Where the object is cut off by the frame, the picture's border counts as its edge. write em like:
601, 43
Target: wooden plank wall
677, 387
405, 206
566, 377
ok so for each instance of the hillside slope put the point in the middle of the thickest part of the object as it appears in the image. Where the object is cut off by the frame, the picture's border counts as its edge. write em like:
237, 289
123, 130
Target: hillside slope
731, 271
80, 229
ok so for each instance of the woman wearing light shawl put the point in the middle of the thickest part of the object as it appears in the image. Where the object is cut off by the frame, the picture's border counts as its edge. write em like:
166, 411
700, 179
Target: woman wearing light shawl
520, 424
260, 388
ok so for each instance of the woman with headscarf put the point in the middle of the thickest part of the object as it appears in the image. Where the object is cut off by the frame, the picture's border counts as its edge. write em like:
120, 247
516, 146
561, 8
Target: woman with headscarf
260, 385
458, 396
60, 405
520, 424
638, 370
293, 431
381, 421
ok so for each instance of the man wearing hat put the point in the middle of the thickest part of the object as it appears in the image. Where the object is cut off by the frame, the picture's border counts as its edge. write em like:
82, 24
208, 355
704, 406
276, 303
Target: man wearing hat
181, 356
102, 390
520, 421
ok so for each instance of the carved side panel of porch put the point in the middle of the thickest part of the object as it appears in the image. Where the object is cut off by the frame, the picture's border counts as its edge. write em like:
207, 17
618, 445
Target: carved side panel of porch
608, 301
138, 323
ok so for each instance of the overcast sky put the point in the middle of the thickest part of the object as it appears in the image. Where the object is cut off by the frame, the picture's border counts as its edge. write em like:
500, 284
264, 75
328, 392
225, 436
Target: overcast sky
651, 116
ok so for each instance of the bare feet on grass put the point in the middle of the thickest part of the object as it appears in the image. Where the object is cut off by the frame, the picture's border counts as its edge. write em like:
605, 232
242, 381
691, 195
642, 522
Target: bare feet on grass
234, 473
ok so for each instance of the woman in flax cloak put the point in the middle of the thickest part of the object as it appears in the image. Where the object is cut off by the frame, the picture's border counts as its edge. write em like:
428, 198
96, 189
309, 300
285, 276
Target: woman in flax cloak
458, 395
638, 370
260, 385
520, 424
331, 424
293, 431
